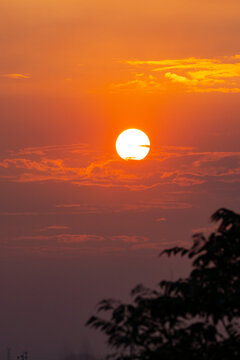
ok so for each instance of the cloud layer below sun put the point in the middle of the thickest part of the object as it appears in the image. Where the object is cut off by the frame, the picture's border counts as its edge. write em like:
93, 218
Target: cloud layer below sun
79, 165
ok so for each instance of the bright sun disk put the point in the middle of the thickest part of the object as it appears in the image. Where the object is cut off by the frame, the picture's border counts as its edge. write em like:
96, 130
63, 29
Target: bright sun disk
132, 144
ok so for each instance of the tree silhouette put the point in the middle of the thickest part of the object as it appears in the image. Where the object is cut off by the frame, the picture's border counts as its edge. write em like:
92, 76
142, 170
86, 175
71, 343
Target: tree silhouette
196, 317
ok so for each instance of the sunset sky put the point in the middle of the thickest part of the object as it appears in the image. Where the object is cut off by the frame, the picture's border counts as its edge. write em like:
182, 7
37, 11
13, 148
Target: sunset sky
78, 223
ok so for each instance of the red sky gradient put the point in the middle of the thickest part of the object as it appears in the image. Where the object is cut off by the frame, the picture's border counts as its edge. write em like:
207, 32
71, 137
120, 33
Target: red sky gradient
77, 222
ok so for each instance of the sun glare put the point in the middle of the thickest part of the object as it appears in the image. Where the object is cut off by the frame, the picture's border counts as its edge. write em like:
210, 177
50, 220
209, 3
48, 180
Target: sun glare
132, 144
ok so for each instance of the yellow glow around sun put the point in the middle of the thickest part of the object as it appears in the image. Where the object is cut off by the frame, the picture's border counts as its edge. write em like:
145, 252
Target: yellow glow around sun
132, 144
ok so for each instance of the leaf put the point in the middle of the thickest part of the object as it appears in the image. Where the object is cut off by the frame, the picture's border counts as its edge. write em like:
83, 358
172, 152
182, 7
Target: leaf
196, 317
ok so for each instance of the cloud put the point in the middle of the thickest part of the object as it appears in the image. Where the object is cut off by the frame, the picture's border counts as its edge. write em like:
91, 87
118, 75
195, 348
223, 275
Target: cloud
54, 227
181, 167
171, 202
177, 78
130, 239
19, 213
161, 219
17, 76
80, 244
220, 74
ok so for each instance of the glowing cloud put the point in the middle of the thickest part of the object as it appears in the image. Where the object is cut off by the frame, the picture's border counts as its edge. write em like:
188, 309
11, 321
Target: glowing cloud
17, 76
192, 74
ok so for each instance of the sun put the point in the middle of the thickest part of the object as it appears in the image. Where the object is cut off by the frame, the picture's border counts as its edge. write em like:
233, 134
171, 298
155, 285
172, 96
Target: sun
132, 144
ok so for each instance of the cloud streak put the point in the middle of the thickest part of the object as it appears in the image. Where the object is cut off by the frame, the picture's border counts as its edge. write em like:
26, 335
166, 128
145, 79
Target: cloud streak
76, 164
17, 76
220, 74
63, 244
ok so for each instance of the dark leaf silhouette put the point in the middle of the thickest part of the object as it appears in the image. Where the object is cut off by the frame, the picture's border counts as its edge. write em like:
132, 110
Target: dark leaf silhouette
196, 317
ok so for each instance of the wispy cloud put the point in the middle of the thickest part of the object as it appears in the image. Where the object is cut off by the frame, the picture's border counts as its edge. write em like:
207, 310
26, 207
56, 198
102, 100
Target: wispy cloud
221, 74
17, 76
161, 219
64, 244
171, 202
19, 213
54, 228
179, 166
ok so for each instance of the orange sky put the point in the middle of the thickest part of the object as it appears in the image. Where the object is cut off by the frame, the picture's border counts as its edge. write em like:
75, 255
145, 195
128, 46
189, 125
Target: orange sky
77, 222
